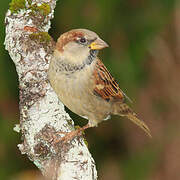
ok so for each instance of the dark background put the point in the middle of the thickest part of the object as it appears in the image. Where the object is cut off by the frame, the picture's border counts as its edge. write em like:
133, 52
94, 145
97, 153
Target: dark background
144, 57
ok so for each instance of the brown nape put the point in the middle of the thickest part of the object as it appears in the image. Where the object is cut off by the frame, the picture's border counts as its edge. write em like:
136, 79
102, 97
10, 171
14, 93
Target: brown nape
66, 38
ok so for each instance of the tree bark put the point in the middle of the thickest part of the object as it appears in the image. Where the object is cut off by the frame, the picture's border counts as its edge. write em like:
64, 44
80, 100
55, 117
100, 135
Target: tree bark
41, 112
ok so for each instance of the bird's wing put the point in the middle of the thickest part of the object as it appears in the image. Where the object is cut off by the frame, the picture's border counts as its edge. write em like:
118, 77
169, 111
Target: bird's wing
105, 85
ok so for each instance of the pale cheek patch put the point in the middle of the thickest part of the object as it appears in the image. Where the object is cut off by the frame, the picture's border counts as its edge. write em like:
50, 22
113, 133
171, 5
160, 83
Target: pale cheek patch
75, 53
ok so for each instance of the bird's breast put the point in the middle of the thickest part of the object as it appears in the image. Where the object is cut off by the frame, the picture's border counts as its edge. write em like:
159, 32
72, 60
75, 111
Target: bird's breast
73, 88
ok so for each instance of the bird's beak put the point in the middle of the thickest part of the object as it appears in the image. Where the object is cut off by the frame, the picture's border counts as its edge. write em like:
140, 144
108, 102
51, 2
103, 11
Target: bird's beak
98, 44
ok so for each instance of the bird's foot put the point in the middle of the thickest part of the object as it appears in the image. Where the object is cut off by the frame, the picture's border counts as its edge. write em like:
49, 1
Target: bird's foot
68, 136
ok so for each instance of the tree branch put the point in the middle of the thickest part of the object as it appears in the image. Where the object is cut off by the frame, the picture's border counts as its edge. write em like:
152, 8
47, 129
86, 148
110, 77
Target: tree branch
41, 112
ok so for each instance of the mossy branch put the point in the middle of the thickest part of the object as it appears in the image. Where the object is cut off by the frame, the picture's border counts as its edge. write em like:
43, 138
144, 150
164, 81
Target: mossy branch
42, 115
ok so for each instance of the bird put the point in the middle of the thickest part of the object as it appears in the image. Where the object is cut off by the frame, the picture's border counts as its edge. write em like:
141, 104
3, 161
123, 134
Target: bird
83, 83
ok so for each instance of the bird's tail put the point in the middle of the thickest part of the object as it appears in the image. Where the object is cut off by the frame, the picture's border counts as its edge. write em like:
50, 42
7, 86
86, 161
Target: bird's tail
125, 110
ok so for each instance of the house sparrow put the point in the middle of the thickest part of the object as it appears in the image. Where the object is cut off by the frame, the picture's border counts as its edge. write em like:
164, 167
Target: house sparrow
83, 83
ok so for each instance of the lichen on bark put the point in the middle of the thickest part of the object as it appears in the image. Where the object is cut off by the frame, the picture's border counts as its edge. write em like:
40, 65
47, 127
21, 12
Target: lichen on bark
41, 113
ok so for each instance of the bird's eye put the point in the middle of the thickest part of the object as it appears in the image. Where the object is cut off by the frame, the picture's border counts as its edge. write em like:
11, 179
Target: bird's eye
82, 40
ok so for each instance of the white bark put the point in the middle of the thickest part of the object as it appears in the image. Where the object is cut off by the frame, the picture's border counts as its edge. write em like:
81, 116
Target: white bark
41, 113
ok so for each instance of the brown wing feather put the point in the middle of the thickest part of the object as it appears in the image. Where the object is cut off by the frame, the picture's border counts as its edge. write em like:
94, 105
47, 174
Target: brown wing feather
105, 85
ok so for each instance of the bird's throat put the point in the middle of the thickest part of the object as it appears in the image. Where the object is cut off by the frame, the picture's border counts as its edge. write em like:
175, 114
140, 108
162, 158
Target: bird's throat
69, 68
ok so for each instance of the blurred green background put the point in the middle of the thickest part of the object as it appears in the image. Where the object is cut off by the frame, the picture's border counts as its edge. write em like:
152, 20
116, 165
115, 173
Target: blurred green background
144, 57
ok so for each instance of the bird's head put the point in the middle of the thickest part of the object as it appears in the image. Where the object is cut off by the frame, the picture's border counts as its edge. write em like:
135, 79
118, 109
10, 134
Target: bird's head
77, 44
